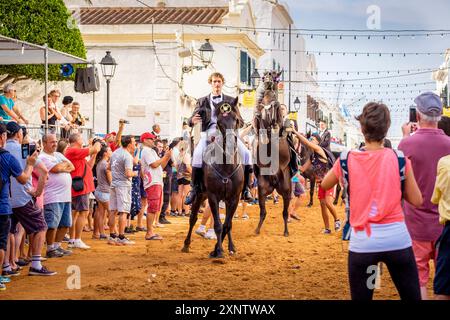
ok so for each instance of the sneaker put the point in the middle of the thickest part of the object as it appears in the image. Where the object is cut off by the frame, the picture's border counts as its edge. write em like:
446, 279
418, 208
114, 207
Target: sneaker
210, 235
11, 273
71, 245
54, 254
66, 238
172, 214
103, 237
337, 225
2, 287
326, 231
164, 221
201, 232
113, 241
128, 230
125, 242
43, 272
64, 252
22, 262
79, 244
4, 280
245, 217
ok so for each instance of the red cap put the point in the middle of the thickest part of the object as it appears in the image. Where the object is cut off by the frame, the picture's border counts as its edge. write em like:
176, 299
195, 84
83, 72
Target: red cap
110, 134
147, 135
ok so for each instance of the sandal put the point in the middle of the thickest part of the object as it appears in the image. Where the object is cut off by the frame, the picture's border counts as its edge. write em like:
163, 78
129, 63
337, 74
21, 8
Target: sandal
293, 216
154, 237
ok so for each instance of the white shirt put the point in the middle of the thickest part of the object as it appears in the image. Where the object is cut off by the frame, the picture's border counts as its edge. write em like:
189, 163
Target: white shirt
59, 185
211, 103
152, 176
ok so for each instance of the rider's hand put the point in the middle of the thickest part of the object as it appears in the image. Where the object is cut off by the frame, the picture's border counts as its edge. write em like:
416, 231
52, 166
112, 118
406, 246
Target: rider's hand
196, 119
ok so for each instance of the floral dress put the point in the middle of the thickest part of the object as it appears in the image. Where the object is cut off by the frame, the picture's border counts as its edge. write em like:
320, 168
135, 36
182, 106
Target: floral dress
136, 191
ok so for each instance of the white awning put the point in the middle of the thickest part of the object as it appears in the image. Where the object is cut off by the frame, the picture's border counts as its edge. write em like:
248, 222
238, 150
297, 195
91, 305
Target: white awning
13, 51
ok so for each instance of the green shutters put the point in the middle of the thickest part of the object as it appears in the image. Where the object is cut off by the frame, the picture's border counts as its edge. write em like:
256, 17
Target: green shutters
244, 67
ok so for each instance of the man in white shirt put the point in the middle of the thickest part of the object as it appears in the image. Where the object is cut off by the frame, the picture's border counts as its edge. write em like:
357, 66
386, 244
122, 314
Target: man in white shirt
152, 167
57, 196
121, 166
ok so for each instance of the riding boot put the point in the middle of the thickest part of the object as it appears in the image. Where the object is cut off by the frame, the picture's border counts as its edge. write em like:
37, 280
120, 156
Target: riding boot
246, 194
196, 185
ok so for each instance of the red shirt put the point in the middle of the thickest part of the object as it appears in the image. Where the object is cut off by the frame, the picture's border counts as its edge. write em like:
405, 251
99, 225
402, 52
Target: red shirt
114, 146
78, 157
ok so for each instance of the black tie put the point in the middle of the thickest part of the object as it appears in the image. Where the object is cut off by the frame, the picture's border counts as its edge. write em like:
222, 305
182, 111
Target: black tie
216, 97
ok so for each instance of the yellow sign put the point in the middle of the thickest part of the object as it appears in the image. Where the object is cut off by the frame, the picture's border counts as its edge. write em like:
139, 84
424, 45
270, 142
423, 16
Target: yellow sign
447, 112
249, 99
292, 116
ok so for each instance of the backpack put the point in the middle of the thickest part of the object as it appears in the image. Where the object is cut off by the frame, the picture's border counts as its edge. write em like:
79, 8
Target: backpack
2, 183
344, 165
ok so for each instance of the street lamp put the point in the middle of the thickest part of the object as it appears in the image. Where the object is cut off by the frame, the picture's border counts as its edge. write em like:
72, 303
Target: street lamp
297, 104
255, 77
108, 65
206, 55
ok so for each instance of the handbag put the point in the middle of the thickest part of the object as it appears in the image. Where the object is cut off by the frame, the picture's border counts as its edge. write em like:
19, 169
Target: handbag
77, 182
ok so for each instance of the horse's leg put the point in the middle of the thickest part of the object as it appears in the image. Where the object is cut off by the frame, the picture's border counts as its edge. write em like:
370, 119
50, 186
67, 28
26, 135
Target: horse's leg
192, 220
338, 191
214, 205
312, 186
262, 204
286, 202
231, 209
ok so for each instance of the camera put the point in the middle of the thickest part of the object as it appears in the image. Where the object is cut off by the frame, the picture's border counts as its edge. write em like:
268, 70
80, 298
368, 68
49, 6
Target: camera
412, 114
28, 149
124, 121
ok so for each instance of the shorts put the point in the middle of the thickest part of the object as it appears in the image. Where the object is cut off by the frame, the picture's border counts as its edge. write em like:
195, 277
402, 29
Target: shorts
120, 199
58, 215
424, 251
322, 194
174, 183
102, 196
80, 203
442, 276
183, 182
14, 223
5, 226
297, 189
154, 198
30, 217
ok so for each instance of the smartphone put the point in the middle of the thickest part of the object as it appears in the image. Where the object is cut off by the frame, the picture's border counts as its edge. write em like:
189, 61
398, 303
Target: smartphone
28, 149
412, 114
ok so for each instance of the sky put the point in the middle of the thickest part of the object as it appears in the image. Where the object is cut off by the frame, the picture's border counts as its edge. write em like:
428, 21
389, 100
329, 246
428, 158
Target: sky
394, 15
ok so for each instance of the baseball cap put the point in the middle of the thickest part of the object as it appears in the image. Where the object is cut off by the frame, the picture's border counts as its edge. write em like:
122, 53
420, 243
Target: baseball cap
13, 127
110, 135
147, 135
429, 104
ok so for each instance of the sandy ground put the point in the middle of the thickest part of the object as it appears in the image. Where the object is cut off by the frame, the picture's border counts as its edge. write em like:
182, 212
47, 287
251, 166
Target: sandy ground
306, 265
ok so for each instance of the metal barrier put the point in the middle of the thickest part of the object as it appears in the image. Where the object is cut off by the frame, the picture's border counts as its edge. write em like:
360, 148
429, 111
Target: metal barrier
37, 131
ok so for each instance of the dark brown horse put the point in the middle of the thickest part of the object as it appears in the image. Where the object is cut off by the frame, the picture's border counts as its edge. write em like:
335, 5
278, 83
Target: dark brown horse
272, 150
223, 178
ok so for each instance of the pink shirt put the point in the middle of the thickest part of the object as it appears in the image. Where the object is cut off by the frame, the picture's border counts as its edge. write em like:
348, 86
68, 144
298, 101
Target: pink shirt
424, 149
375, 189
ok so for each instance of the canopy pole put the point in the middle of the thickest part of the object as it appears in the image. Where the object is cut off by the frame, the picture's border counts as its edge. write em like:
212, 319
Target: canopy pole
93, 108
46, 86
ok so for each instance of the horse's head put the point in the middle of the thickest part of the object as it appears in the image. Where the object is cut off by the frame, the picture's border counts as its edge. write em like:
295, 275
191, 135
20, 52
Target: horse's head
271, 79
268, 113
227, 116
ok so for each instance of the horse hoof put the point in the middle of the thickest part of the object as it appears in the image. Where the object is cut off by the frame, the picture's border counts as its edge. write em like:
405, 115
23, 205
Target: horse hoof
232, 252
309, 205
286, 234
257, 231
215, 255
185, 250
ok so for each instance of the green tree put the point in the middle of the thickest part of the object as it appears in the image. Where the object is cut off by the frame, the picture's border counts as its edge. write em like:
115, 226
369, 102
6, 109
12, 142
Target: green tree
39, 22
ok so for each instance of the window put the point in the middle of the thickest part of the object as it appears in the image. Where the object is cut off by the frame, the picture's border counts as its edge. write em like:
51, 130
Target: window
247, 66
